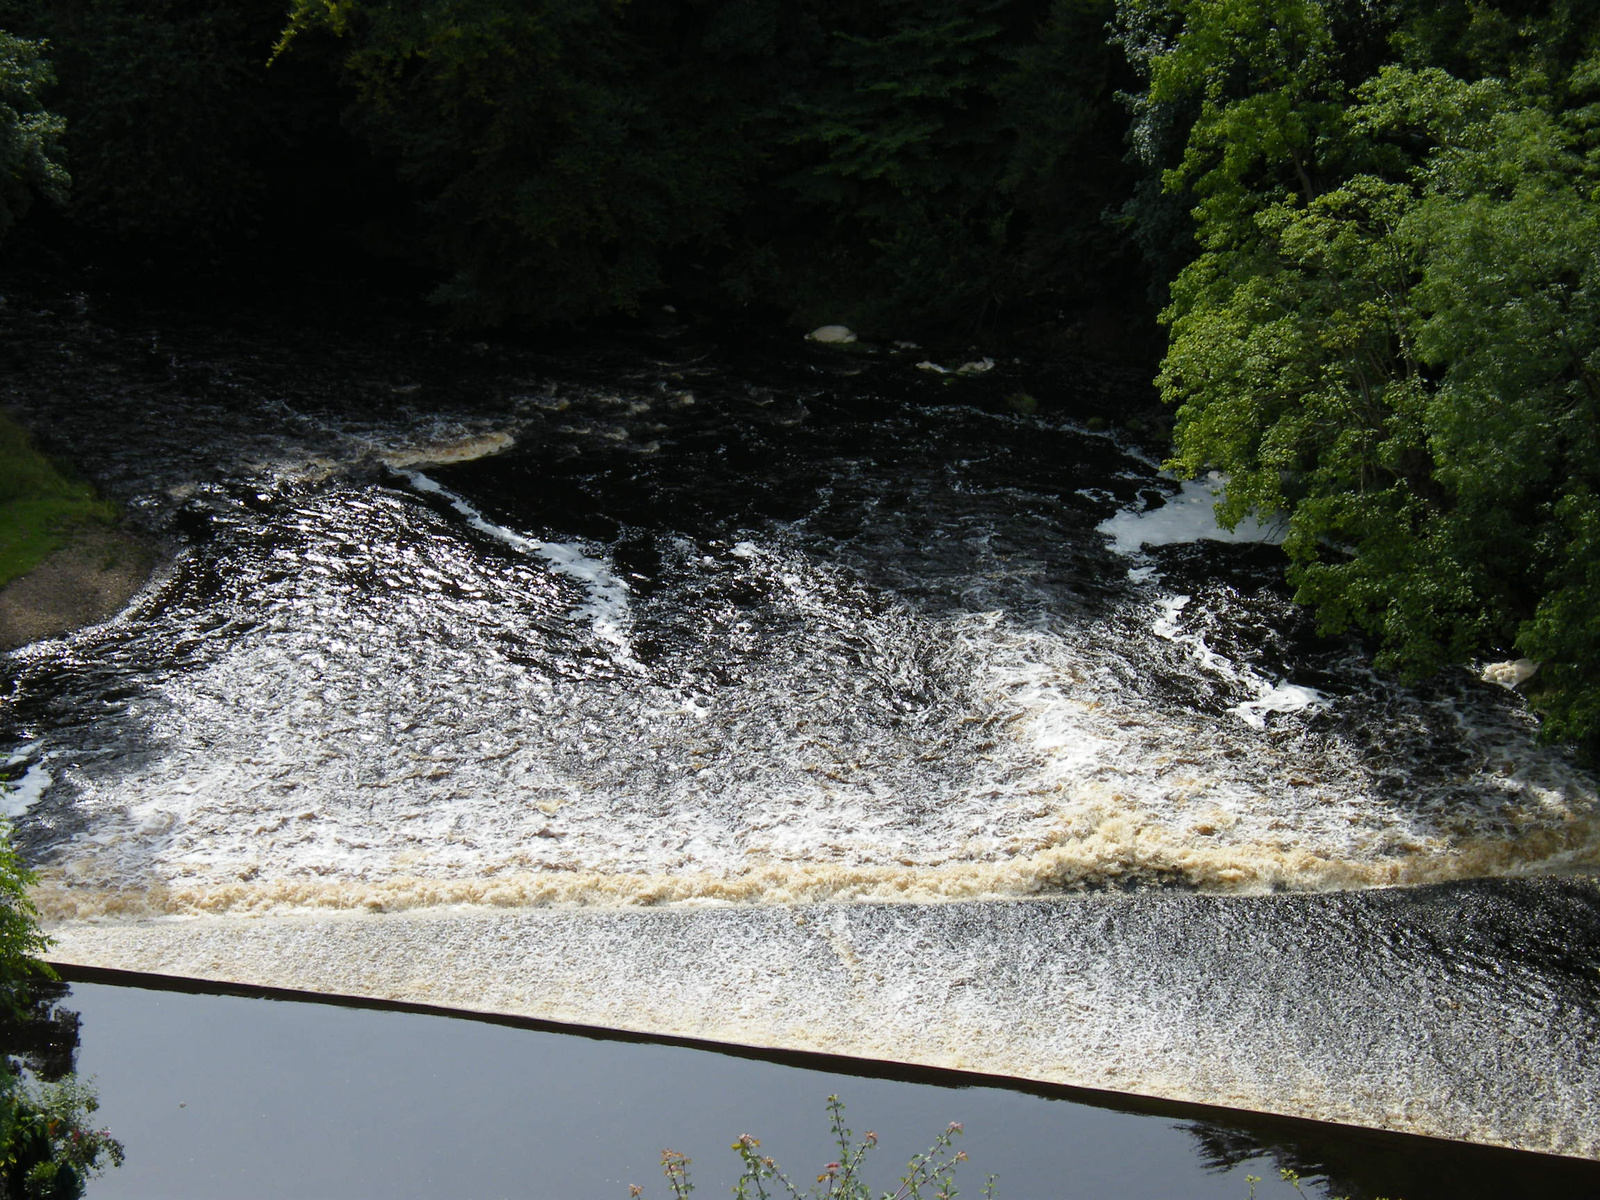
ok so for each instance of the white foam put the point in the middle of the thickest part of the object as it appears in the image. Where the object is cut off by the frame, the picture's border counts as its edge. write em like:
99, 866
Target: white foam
1280, 697
608, 609
19, 795
1270, 696
410, 721
1188, 516
1168, 626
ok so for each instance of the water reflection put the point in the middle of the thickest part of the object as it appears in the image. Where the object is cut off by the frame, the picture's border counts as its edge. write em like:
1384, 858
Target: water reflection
240, 1094
42, 1036
1362, 1164
50, 1144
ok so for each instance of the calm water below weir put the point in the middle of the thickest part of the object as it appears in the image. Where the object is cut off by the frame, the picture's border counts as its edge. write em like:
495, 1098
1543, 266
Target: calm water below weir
782, 697
246, 1097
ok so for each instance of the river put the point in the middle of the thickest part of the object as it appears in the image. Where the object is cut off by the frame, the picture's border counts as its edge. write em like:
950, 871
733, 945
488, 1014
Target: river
781, 696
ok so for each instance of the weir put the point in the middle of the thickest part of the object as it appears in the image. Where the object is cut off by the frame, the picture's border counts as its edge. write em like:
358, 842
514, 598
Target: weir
792, 716
1463, 1011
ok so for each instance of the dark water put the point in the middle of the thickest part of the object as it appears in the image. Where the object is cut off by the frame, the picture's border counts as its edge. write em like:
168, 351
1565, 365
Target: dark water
241, 1096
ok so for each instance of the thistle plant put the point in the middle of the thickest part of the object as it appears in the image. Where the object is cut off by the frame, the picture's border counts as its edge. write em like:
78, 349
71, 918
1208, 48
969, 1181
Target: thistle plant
929, 1175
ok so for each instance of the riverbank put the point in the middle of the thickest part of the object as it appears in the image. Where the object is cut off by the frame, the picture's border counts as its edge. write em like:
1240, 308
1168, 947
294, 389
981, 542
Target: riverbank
64, 563
85, 582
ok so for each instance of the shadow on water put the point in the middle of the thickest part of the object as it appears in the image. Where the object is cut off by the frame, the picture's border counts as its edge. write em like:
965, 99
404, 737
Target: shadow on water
1333, 1160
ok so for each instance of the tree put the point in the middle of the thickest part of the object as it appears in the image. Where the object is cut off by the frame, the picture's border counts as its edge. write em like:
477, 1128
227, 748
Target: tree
541, 143
21, 940
185, 149
957, 160
1389, 330
30, 136
893, 163
48, 1148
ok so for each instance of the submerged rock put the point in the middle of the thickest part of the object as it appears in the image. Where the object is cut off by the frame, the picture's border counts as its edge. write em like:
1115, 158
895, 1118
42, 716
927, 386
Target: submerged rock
835, 335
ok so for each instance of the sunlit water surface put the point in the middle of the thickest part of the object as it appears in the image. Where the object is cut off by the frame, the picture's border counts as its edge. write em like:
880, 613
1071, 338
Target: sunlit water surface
766, 651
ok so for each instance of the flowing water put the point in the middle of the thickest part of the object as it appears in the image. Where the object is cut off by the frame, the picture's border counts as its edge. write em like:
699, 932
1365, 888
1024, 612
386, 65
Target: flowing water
458, 631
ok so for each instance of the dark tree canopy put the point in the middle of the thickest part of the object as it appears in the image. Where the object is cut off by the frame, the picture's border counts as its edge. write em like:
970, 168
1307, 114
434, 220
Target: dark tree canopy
30, 136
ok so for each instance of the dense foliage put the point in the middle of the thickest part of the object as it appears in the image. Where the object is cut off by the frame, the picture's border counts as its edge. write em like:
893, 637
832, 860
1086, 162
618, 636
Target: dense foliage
20, 938
186, 151
1373, 223
48, 1147
897, 162
1388, 330
30, 151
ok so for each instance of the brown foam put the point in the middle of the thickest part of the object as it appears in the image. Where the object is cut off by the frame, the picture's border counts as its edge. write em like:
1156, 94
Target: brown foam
1119, 852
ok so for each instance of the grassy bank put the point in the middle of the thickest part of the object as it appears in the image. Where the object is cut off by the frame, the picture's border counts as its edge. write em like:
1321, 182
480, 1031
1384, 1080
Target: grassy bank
40, 506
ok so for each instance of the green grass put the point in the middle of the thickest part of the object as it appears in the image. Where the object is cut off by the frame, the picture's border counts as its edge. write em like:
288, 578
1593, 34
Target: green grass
40, 506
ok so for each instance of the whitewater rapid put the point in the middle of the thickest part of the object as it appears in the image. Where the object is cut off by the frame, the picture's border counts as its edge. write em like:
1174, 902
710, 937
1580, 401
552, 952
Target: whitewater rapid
400, 703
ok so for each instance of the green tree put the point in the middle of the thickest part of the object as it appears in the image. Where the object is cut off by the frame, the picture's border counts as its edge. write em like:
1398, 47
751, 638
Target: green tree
1067, 170
1388, 331
30, 136
48, 1147
903, 142
1510, 324
950, 164
186, 150
21, 940
890, 162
